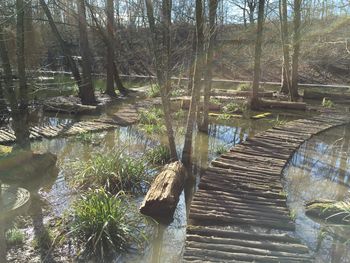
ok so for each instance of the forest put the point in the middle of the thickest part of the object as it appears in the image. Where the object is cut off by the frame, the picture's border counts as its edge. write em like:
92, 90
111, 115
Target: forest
174, 131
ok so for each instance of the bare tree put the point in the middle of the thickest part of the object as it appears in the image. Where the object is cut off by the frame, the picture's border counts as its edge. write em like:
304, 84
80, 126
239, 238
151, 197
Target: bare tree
161, 50
257, 57
88, 89
213, 4
296, 49
195, 95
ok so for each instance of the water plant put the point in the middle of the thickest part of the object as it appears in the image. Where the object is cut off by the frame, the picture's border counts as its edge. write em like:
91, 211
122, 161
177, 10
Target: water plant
114, 171
104, 224
154, 91
152, 115
158, 155
14, 237
85, 137
327, 103
231, 107
244, 87
220, 149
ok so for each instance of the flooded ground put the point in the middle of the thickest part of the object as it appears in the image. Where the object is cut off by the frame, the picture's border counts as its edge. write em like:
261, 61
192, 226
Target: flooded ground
321, 170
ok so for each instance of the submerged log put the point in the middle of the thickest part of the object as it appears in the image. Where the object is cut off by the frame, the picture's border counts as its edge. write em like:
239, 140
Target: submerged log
329, 211
282, 104
162, 198
311, 94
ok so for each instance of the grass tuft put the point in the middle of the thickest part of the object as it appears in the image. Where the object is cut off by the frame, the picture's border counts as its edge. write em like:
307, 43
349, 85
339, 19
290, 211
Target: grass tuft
158, 155
14, 237
113, 171
105, 224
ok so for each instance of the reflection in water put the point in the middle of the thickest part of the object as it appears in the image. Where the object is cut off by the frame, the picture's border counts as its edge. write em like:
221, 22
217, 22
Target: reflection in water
320, 170
167, 243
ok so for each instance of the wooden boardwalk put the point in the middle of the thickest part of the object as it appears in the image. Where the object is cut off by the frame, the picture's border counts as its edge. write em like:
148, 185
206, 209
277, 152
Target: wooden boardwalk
239, 213
126, 115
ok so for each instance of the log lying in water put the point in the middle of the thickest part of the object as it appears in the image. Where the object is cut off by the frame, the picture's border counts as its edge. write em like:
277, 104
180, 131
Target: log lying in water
311, 94
162, 198
243, 93
282, 104
329, 211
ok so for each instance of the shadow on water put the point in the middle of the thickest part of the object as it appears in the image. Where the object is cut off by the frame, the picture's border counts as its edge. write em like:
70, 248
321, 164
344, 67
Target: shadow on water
321, 170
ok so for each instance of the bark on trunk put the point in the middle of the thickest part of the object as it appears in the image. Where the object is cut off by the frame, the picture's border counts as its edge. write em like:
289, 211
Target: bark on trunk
286, 81
257, 56
110, 48
195, 95
192, 63
20, 115
296, 50
65, 50
87, 90
208, 76
162, 197
162, 66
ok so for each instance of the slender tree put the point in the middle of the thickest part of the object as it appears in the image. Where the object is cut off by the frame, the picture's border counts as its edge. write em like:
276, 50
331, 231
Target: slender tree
88, 89
213, 4
110, 48
257, 56
161, 51
195, 94
285, 83
296, 49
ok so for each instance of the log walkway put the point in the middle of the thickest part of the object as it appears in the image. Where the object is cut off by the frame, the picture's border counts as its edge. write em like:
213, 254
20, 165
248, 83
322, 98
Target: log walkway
126, 115
239, 212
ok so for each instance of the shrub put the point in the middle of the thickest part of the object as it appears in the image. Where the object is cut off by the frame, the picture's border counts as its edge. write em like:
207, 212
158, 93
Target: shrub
154, 91
220, 149
103, 224
327, 103
151, 116
158, 155
113, 171
14, 237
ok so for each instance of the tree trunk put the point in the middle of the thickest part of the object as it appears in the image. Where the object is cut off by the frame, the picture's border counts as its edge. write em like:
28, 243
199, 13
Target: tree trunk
192, 62
110, 48
209, 64
296, 50
87, 92
257, 56
285, 83
20, 115
195, 95
65, 50
160, 65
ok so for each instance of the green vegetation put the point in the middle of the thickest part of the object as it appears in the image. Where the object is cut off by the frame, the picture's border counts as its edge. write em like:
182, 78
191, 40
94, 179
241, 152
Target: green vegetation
215, 101
232, 107
180, 114
220, 149
85, 137
327, 103
277, 122
105, 224
158, 155
14, 237
114, 171
154, 91
244, 87
151, 121
224, 116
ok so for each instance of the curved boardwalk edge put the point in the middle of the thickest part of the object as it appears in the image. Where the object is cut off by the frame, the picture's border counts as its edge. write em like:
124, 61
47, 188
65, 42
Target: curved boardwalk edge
239, 213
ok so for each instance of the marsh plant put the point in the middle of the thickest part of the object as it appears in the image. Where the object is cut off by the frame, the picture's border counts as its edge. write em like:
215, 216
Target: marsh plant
151, 121
104, 224
154, 91
85, 137
114, 171
14, 237
221, 148
327, 103
159, 155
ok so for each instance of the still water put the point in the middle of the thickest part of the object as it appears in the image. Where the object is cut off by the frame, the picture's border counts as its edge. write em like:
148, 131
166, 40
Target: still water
321, 170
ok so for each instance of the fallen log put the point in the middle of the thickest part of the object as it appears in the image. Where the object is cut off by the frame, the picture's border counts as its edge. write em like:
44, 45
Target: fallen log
329, 211
243, 93
312, 94
162, 198
274, 104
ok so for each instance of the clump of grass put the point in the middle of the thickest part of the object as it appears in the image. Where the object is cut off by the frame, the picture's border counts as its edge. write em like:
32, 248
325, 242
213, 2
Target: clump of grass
151, 116
220, 149
215, 101
114, 171
105, 224
14, 237
232, 107
244, 87
153, 128
224, 116
327, 103
158, 155
154, 91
